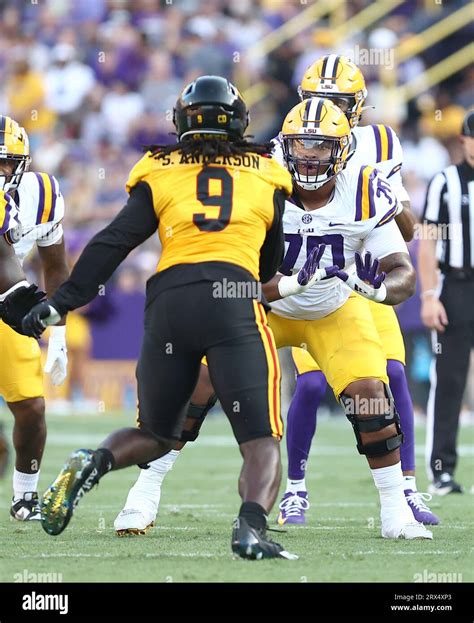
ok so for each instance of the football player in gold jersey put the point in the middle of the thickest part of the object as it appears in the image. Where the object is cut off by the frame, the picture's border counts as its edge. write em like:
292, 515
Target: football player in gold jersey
217, 203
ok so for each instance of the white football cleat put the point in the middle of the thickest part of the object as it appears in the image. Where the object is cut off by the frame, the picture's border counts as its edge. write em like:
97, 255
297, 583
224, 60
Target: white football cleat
141, 507
131, 521
408, 530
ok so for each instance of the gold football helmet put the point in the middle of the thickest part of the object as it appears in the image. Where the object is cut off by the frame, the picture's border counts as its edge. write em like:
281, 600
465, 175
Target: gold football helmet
15, 150
339, 79
315, 140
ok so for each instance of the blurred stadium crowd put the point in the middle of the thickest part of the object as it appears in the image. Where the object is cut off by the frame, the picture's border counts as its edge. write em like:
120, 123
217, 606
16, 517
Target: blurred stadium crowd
94, 81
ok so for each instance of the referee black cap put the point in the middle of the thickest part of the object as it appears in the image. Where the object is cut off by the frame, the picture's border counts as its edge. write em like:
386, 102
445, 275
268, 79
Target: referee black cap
468, 124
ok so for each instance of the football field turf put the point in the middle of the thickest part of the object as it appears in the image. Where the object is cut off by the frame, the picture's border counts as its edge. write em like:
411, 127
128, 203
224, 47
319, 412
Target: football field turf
341, 542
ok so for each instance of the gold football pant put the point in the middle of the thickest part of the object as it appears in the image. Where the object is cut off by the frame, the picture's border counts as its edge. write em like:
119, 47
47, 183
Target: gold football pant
21, 374
388, 329
345, 344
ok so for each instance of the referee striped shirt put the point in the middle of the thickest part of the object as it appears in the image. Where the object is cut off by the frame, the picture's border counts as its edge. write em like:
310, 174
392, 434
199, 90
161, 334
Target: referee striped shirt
450, 205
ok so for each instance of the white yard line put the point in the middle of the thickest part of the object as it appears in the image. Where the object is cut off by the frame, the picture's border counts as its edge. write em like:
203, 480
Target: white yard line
404, 552
162, 554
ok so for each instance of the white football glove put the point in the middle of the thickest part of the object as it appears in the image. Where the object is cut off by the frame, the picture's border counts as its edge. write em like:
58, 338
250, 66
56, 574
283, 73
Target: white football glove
364, 278
308, 275
56, 361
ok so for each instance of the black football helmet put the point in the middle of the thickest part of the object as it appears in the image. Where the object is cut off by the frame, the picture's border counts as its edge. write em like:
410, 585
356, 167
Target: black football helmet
211, 105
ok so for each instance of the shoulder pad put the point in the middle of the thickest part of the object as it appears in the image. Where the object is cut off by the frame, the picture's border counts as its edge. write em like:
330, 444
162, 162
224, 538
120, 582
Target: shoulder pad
140, 171
48, 195
277, 175
384, 139
365, 204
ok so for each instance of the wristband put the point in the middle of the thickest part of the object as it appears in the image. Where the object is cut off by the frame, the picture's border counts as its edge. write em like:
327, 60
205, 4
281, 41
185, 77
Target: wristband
288, 286
53, 318
380, 294
58, 334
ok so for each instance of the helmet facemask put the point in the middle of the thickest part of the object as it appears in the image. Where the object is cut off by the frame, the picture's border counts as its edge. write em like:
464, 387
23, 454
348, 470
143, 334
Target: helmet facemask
313, 160
10, 182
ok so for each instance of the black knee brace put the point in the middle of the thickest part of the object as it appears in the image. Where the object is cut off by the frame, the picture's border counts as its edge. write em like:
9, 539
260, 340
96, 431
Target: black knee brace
198, 414
373, 424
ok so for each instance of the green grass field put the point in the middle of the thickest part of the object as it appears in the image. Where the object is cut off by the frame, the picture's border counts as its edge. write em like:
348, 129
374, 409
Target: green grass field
341, 542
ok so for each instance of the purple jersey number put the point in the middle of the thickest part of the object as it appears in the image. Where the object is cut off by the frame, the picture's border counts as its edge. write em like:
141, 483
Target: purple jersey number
385, 189
335, 241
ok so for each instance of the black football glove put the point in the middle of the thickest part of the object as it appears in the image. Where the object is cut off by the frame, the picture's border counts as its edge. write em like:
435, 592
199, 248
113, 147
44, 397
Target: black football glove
38, 318
19, 303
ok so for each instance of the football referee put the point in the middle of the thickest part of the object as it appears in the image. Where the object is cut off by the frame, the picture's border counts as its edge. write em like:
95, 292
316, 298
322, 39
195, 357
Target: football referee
446, 265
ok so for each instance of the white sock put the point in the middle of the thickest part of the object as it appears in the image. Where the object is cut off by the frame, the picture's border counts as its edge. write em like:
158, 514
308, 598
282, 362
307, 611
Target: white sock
164, 464
24, 483
292, 486
389, 482
409, 482
147, 489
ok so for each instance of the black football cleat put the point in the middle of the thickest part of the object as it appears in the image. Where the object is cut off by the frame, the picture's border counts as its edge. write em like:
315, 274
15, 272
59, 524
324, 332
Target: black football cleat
27, 508
445, 484
253, 544
76, 478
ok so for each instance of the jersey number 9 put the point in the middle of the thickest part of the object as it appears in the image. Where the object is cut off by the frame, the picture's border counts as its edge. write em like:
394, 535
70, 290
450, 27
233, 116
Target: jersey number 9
223, 200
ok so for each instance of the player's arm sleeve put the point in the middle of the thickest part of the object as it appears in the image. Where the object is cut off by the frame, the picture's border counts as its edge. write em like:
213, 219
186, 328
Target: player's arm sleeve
273, 248
400, 190
435, 205
384, 238
135, 223
383, 241
396, 182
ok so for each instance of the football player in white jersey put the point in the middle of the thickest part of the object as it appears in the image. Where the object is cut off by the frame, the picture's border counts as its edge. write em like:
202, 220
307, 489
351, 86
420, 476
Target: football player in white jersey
16, 295
345, 212
337, 78
41, 210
